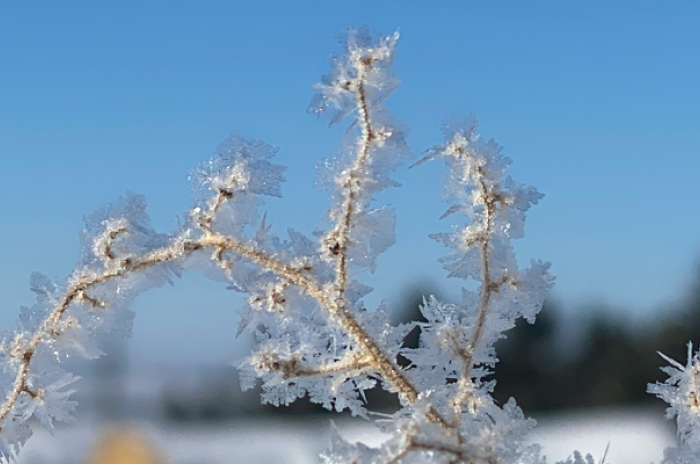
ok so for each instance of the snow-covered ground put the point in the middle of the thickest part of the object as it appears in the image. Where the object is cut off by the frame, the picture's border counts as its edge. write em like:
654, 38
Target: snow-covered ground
630, 435
633, 436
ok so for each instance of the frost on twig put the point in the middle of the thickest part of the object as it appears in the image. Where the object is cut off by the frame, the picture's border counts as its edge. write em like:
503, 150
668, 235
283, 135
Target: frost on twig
315, 337
495, 208
456, 348
332, 335
122, 257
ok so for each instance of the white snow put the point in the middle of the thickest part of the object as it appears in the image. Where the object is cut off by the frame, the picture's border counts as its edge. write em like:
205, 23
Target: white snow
634, 436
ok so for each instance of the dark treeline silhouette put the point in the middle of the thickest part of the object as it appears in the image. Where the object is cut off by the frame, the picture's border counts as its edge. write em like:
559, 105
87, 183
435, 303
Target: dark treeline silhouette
609, 363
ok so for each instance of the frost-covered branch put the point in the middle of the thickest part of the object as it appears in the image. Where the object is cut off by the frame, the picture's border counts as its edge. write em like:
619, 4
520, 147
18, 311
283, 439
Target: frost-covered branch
293, 285
315, 337
293, 366
22, 349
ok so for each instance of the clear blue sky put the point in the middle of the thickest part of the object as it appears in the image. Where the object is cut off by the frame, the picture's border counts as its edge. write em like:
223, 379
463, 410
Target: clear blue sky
596, 102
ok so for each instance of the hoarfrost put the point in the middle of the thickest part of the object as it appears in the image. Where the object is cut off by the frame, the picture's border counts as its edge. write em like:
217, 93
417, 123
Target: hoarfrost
314, 335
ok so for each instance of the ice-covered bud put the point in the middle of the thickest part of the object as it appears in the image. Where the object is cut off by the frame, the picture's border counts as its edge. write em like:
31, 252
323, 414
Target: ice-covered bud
366, 53
229, 185
231, 180
274, 298
364, 71
241, 166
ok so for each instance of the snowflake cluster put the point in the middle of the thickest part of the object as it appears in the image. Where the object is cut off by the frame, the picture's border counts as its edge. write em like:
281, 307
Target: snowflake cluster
315, 336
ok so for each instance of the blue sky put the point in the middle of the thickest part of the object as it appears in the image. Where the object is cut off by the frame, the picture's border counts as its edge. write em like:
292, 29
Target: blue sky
596, 102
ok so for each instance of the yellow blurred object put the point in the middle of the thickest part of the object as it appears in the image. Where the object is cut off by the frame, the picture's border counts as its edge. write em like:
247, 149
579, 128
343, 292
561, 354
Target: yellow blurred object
124, 445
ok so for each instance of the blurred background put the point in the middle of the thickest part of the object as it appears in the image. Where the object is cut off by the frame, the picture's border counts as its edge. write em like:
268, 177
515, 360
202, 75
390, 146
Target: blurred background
596, 103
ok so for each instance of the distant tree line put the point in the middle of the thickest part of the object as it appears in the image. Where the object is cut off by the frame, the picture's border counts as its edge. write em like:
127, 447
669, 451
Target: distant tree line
612, 363
609, 364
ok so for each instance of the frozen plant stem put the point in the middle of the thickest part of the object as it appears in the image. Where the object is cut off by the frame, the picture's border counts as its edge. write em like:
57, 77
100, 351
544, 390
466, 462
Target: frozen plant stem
367, 356
78, 291
314, 335
352, 180
467, 354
